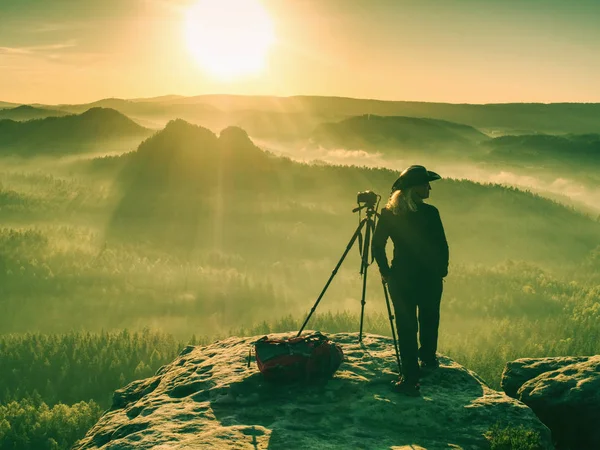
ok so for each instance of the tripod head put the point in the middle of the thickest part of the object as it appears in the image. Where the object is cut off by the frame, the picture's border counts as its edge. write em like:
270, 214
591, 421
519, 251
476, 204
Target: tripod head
368, 200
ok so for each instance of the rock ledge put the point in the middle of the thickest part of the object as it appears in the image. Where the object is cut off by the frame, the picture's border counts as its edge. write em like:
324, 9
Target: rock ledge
208, 398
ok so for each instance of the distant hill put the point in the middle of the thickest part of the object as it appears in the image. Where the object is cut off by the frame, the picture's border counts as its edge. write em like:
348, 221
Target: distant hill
73, 133
159, 99
187, 186
217, 111
147, 109
397, 133
547, 149
190, 157
27, 112
178, 173
536, 117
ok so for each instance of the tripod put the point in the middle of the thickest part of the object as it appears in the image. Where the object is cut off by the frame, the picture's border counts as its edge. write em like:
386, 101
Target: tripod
364, 247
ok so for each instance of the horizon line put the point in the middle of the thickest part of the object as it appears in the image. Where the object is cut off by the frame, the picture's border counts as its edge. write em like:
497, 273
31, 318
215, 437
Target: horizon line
269, 96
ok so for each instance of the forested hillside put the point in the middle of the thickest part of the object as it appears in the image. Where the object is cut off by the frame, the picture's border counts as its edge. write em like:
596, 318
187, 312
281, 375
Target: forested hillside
51, 136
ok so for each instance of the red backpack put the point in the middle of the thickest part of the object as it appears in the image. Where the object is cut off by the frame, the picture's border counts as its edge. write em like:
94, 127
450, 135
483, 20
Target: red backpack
304, 358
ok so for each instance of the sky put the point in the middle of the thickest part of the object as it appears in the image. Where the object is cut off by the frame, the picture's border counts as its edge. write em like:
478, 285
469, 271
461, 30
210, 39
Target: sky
456, 51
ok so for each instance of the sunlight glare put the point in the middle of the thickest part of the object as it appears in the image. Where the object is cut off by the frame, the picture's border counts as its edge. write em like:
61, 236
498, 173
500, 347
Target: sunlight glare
229, 38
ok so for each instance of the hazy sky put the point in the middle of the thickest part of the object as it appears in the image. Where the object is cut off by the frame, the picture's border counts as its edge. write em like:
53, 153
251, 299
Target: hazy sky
459, 51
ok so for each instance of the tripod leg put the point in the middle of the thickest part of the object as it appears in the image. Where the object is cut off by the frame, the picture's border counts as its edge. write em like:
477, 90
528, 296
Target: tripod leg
363, 271
357, 233
387, 302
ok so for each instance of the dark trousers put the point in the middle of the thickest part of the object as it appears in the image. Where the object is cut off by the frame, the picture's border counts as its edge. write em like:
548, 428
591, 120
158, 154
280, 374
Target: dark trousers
417, 309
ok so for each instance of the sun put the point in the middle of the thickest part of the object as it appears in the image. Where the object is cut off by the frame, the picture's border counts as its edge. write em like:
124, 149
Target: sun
229, 38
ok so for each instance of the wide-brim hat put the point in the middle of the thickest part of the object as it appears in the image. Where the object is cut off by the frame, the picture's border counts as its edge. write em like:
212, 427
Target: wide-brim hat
413, 176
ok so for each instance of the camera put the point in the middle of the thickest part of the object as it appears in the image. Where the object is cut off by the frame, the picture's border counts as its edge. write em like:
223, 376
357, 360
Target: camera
367, 197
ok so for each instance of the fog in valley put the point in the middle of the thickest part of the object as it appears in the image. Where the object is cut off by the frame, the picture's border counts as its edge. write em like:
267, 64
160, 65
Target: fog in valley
193, 232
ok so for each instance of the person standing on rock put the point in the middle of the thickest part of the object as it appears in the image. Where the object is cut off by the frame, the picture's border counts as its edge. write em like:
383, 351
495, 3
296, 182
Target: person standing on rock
415, 278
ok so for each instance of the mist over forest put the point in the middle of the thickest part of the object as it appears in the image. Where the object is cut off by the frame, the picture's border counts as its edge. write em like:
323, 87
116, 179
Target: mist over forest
138, 226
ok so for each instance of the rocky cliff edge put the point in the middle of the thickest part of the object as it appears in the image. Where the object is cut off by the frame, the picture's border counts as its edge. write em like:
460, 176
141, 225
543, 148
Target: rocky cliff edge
209, 399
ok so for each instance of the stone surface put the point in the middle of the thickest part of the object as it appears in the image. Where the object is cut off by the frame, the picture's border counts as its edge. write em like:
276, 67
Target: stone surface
566, 398
208, 398
518, 372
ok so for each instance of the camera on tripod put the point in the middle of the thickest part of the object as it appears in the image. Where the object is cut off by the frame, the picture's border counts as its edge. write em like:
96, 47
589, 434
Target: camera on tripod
369, 198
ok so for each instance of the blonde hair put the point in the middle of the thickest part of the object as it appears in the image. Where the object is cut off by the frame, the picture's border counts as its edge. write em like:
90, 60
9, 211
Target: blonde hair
402, 201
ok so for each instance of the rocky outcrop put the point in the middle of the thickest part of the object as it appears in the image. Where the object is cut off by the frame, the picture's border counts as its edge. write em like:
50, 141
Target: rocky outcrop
563, 392
209, 398
517, 373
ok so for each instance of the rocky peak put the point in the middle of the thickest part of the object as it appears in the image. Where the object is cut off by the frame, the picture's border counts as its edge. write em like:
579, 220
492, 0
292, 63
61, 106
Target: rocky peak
209, 398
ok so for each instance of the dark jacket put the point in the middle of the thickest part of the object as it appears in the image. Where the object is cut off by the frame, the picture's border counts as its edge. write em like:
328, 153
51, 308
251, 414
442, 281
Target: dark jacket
420, 246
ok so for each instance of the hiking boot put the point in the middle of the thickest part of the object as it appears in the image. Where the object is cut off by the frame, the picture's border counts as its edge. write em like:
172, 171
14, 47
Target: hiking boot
427, 367
407, 388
